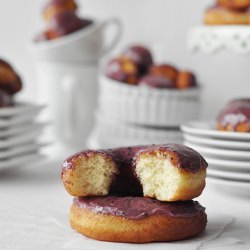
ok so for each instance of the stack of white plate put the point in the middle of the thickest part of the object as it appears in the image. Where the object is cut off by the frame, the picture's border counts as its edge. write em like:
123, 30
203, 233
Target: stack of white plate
227, 153
19, 132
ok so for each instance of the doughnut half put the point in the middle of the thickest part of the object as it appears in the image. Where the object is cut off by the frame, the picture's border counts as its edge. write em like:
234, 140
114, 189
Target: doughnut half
136, 219
169, 172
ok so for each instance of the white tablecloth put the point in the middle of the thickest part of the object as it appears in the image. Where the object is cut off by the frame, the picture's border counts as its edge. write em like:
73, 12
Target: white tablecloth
34, 212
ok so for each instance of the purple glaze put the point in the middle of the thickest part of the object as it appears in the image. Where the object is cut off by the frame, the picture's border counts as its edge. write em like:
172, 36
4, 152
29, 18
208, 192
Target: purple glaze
236, 112
127, 182
160, 82
67, 22
137, 208
141, 56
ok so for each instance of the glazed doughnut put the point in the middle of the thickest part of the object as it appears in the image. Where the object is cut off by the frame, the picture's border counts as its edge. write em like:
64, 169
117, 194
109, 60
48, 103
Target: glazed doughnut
10, 82
141, 56
54, 7
169, 172
185, 79
136, 219
219, 15
164, 70
157, 82
122, 69
67, 22
235, 4
235, 116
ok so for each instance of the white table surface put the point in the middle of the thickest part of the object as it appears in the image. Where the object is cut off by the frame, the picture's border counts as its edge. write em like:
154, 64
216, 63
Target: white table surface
31, 199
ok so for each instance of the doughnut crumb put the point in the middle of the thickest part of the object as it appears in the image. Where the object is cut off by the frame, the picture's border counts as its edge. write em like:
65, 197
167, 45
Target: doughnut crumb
91, 175
163, 180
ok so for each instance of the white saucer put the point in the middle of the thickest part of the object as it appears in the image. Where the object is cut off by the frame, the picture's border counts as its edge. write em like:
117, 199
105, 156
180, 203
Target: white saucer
236, 176
21, 161
20, 139
228, 165
206, 129
217, 143
19, 109
21, 129
21, 150
221, 153
18, 119
230, 187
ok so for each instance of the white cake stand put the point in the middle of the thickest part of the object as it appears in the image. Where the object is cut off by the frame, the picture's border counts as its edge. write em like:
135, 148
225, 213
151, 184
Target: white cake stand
210, 39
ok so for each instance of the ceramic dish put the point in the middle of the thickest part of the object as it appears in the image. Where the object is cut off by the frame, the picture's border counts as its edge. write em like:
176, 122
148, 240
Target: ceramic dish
228, 165
21, 161
221, 153
235, 188
21, 129
20, 150
236, 176
143, 105
19, 109
206, 129
20, 139
217, 143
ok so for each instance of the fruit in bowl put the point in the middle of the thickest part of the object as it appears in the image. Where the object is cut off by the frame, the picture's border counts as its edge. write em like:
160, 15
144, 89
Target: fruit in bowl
164, 70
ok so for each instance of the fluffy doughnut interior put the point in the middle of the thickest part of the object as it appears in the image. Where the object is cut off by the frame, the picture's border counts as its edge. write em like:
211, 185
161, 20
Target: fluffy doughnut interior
161, 179
92, 175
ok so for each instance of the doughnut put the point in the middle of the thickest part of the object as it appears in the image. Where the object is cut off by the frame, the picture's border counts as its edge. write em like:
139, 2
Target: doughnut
5, 99
67, 22
141, 56
235, 116
54, 7
157, 82
218, 15
185, 79
164, 70
10, 82
136, 219
235, 4
169, 172
122, 69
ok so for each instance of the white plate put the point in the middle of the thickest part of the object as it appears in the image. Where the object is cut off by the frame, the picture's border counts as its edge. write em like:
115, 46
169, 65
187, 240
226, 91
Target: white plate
206, 129
236, 176
230, 187
19, 109
21, 129
217, 143
21, 161
20, 139
21, 150
228, 164
220, 153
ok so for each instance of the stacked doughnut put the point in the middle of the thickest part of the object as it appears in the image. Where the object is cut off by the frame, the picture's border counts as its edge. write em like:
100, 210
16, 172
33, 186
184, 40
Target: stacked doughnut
10, 84
226, 12
235, 116
135, 66
61, 19
136, 194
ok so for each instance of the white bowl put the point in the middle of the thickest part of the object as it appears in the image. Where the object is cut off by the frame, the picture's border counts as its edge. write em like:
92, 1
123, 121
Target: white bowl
85, 45
147, 106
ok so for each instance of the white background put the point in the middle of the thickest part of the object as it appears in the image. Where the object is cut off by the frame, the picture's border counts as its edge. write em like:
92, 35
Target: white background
161, 24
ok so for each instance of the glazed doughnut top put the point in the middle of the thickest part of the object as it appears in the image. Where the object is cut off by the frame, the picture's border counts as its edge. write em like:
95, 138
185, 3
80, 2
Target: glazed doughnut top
236, 112
138, 207
182, 157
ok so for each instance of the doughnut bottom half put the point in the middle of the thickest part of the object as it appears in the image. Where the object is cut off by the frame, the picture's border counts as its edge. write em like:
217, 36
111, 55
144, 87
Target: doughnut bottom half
154, 228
